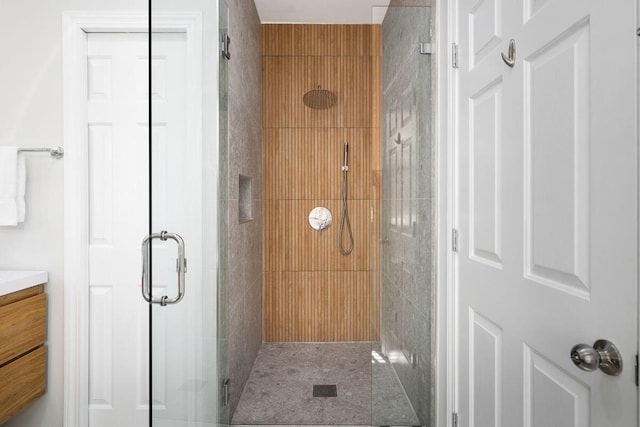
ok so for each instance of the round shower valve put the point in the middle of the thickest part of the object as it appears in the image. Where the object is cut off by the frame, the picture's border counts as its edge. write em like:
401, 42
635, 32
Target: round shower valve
320, 218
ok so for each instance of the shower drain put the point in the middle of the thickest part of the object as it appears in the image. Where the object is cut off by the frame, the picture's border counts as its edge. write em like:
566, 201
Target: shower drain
325, 390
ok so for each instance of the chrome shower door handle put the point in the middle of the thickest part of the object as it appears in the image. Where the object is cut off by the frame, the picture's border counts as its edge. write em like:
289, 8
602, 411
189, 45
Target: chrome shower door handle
181, 267
511, 59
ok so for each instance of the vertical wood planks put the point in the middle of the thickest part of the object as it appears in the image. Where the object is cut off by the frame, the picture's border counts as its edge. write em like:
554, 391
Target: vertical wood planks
311, 292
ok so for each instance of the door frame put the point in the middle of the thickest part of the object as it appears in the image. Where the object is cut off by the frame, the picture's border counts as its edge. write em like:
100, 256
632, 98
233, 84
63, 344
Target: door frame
446, 85
75, 29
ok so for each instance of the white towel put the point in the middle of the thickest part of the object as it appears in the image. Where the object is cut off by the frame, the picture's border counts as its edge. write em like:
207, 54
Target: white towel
21, 187
12, 186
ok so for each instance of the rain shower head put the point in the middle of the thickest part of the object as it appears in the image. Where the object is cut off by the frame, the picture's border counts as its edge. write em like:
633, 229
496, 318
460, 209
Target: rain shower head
319, 99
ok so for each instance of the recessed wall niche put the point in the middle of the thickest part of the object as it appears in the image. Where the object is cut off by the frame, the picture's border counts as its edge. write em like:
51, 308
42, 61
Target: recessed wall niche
245, 199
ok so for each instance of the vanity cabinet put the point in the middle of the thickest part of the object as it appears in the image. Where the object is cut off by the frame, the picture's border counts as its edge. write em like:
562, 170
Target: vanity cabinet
23, 353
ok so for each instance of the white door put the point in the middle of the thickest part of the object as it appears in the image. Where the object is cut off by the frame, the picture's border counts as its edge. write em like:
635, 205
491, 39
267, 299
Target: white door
117, 74
547, 211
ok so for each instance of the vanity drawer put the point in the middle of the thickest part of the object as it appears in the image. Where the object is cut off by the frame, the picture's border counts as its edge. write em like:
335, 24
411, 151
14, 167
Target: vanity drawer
23, 381
23, 327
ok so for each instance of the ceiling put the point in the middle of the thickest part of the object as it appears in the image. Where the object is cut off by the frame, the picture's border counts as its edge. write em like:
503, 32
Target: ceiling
322, 11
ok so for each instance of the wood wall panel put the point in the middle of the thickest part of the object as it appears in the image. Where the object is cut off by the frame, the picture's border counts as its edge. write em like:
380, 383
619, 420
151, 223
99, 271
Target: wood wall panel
305, 249
291, 245
273, 235
318, 306
312, 293
287, 78
306, 163
321, 40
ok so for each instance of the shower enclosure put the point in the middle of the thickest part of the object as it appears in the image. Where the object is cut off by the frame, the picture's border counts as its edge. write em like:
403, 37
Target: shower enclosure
189, 272
338, 338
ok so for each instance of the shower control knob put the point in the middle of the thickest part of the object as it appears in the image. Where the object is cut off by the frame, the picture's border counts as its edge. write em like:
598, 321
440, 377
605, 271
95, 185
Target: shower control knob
385, 241
604, 355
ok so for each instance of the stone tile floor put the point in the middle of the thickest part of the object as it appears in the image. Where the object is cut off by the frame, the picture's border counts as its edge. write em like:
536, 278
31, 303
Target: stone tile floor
280, 387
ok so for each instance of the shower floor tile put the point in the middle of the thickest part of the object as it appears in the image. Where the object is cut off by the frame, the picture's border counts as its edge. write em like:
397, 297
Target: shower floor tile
280, 387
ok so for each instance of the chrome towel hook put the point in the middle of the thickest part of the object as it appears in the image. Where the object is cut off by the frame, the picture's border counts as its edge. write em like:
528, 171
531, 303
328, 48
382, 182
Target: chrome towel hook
511, 59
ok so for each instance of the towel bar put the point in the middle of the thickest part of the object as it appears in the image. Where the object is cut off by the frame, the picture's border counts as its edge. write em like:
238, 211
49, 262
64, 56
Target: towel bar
56, 153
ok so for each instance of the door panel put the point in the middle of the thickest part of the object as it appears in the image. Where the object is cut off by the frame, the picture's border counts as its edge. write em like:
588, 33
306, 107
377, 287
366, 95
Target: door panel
557, 168
551, 395
485, 365
547, 211
118, 116
485, 234
118, 215
485, 29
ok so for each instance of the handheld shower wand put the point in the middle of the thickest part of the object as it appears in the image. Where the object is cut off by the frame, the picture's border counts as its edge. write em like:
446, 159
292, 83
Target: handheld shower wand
345, 209
345, 165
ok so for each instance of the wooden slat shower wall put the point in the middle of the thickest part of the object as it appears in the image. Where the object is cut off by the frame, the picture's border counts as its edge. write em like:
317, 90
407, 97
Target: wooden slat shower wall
311, 292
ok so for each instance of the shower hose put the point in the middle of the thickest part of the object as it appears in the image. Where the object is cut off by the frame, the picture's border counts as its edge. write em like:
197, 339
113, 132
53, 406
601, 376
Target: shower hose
345, 208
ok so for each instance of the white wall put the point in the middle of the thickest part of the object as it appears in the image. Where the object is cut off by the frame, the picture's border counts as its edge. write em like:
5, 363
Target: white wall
31, 116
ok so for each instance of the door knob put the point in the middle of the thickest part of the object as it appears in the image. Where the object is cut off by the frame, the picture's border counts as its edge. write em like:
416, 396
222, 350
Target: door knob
604, 355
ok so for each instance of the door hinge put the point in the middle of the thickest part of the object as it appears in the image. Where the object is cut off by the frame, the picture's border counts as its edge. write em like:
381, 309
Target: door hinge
454, 240
454, 55
454, 419
636, 370
225, 46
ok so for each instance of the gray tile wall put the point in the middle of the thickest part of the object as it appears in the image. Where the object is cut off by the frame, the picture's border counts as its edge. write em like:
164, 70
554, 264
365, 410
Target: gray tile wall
408, 260
241, 243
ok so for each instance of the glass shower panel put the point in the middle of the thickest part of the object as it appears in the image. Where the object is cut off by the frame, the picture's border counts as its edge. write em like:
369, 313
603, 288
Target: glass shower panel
402, 362
182, 248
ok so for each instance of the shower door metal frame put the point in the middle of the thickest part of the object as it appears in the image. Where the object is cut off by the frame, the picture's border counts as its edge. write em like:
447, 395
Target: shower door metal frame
75, 28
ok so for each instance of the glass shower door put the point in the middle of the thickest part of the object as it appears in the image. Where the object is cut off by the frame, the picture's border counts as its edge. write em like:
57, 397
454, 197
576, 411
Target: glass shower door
179, 253
404, 360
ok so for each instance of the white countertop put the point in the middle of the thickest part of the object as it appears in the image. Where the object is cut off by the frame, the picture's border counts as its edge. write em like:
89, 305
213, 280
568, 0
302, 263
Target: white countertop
14, 280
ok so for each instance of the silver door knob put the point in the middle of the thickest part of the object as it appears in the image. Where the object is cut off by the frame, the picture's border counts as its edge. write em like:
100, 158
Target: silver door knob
604, 355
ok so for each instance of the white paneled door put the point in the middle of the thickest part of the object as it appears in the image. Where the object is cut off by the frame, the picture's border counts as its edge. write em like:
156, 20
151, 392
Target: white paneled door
547, 211
118, 126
